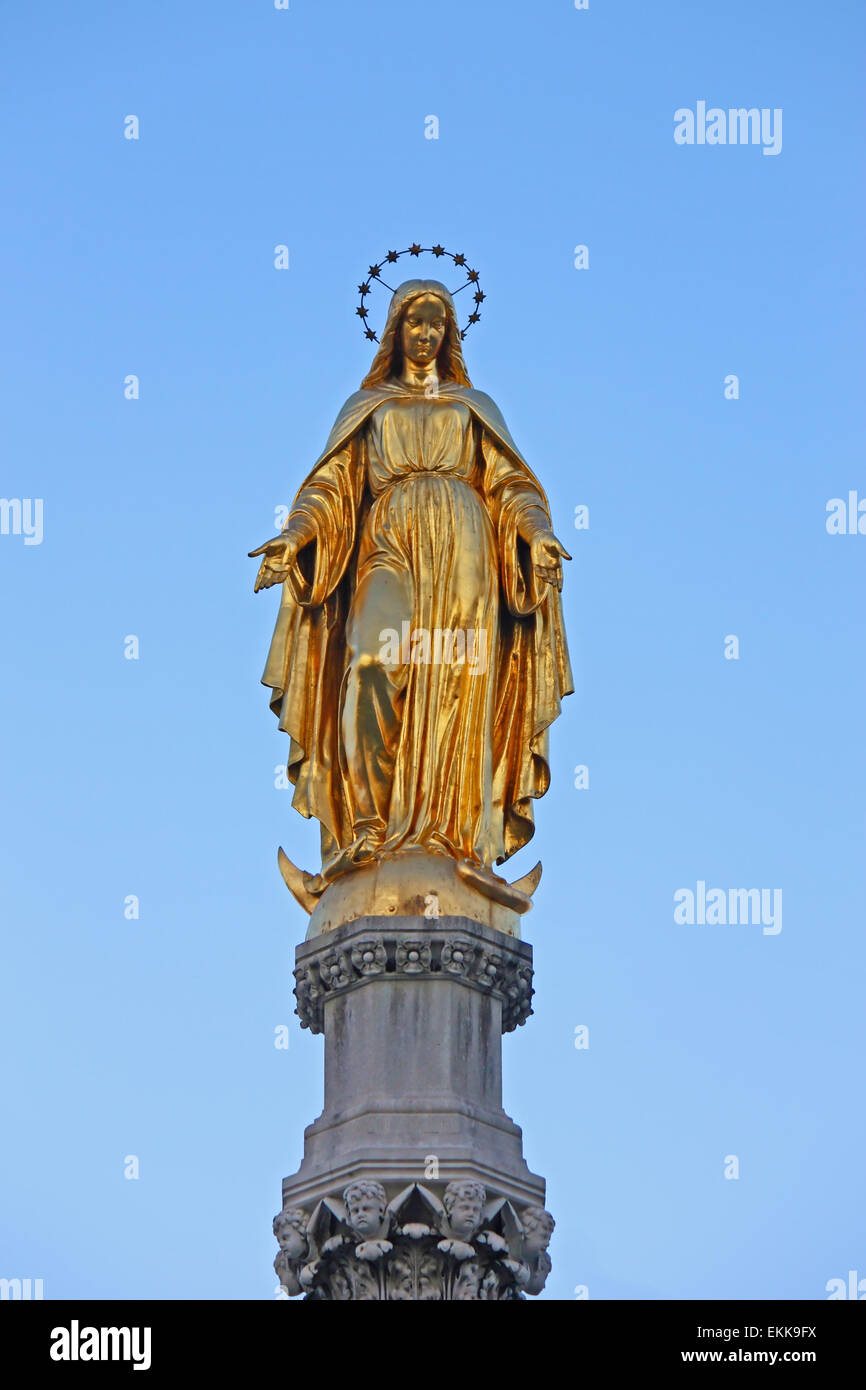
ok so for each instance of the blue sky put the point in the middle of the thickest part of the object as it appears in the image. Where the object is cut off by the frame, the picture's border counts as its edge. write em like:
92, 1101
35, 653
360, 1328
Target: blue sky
155, 777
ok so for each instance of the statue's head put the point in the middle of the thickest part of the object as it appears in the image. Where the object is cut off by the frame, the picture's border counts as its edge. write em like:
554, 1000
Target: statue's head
421, 327
538, 1227
290, 1229
464, 1202
365, 1206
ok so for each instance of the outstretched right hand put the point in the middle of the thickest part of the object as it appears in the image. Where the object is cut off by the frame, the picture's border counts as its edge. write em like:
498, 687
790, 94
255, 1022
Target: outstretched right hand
279, 555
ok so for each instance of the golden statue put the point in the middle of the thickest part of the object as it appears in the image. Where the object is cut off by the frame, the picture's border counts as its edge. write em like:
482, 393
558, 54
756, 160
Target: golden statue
419, 655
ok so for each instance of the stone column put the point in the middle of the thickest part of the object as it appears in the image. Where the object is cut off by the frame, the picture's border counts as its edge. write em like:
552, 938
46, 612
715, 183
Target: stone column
413, 1184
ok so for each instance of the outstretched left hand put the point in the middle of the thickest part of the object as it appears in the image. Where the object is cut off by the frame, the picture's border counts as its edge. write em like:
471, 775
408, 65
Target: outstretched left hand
547, 555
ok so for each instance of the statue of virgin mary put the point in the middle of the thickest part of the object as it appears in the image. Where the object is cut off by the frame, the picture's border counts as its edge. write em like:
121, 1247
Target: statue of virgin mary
419, 656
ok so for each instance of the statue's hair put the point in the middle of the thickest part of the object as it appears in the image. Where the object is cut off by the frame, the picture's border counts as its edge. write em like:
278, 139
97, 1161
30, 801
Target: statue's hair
537, 1218
291, 1216
388, 362
363, 1188
463, 1187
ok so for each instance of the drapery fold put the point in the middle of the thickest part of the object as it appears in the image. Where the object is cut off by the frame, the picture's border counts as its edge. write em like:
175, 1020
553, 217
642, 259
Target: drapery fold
307, 661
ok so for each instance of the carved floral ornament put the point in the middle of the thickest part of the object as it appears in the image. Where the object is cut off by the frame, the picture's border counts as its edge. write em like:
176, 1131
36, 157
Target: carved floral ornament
503, 972
419, 1247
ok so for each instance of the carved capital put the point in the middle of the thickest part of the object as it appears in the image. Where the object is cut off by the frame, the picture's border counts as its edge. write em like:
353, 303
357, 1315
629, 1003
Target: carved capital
360, 953
430, 1243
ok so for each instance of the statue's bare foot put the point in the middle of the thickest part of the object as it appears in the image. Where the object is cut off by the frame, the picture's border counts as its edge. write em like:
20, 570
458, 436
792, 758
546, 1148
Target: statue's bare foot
307, 888
357, 855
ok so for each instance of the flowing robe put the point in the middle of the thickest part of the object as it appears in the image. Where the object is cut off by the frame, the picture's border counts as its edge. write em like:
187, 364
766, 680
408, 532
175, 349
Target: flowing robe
413, 516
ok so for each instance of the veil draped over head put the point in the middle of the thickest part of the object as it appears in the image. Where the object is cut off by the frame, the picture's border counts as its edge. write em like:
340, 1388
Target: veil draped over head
307, 660
388, 360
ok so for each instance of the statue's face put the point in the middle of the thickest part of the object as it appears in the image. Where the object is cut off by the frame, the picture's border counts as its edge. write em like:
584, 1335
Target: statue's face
365, 1214
292, 1243
465, 1213
537, 1238
422, 330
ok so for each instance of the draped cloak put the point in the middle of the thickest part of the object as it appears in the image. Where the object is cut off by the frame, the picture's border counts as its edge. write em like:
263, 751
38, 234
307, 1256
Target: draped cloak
306, 663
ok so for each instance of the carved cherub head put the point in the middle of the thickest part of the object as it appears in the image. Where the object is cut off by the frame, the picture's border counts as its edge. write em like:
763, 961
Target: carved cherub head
290, 1229
464, 1202
538, 1227
365, 1205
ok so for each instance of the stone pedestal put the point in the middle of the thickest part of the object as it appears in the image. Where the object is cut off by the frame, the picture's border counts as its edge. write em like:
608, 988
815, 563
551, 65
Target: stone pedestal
413, 1183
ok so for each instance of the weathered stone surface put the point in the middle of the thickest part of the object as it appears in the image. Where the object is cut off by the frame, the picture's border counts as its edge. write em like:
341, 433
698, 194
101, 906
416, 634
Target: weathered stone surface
412, 1015
412, 1018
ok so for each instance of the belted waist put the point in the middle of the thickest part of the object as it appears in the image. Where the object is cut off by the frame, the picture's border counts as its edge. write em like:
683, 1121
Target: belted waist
417, 473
